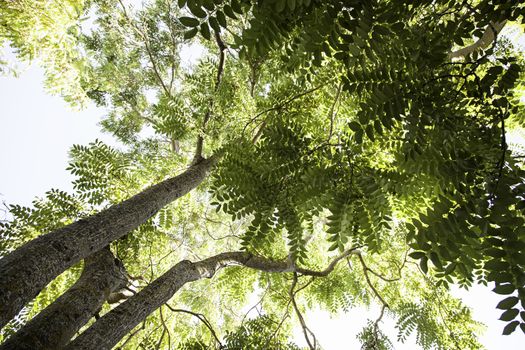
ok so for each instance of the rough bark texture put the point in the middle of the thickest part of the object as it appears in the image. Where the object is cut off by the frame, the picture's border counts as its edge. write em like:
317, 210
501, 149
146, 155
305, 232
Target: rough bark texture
55, 326
108, 330
30, 268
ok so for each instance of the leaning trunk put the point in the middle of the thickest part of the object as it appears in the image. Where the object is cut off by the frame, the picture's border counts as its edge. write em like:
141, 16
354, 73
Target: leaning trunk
108, 330
27, 270
57, 324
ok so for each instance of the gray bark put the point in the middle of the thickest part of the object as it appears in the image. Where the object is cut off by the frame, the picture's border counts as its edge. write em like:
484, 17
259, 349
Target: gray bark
487, 38
27, 270
108, 330
55, 326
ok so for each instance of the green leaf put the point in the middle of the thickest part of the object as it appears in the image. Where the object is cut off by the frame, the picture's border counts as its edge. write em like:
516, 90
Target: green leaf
229, 12
354, 50
189, 21
190, 33
450, 268
370, 132
359, 136
205, 31
510, 328
280, 5
496, 265
334, 246
355, 126
507, 303
509, 315
495, 253
500, 277
504, 289
236, 6
214, 24
221, 18
435, 260
417, 255
208, 5
423, 263
196, 9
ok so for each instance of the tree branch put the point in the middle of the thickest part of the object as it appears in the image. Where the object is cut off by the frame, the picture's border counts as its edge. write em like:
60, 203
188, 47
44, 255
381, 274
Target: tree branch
220, 69
305, 328
148, 49
111, 327
281, 105
365, 271
489, 36
201, 318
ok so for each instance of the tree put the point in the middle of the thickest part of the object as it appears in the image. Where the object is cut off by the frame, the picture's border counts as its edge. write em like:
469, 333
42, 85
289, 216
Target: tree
333, 131
57, 324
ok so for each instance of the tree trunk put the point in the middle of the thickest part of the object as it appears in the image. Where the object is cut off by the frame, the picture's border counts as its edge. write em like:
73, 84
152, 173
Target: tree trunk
108, 330
27, 270
55, 326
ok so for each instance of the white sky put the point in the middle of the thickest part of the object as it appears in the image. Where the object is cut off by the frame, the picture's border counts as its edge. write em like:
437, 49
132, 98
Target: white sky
36, 132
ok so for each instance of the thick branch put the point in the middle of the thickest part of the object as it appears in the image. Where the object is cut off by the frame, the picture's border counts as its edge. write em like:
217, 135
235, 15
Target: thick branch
57, 324
109, 329
31, 267
490, 35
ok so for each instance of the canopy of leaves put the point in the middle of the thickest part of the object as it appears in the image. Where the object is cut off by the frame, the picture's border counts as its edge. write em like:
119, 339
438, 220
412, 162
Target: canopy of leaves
341, 124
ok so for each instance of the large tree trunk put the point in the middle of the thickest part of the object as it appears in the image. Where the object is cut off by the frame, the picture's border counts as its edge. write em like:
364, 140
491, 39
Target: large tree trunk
55, 326
108, 330
27, 270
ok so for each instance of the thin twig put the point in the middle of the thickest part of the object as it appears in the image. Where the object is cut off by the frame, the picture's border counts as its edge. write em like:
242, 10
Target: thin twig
220, 70
332, 115
202, 318
365, 271
305, 328
283, 104
146, 44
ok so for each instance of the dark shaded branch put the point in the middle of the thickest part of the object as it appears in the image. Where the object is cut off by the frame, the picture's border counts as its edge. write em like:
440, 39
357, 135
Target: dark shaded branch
166, 329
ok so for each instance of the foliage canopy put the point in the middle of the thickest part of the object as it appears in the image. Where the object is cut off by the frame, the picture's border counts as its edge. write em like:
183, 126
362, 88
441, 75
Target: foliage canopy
340, 125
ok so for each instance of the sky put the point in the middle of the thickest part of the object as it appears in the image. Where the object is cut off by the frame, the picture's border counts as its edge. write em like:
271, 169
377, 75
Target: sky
36, 132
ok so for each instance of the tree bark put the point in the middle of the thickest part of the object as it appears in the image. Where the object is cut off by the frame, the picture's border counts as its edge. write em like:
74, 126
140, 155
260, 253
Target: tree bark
55, 326
108, 330
27, 270
486, 39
